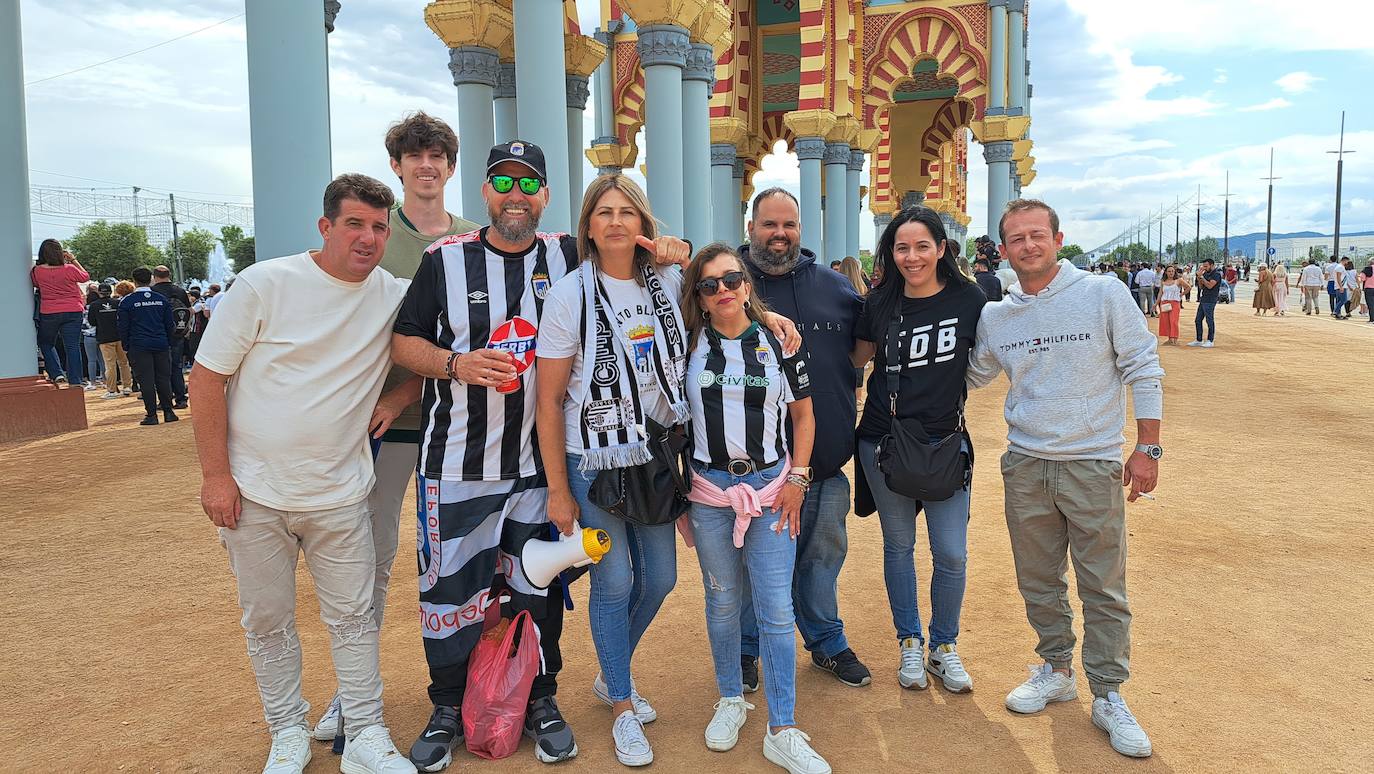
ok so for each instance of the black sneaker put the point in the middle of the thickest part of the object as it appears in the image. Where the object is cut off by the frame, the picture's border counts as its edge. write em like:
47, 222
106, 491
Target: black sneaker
845, 666
553, 740
181, 404
168, 416
151, 419
749, 671
433, 749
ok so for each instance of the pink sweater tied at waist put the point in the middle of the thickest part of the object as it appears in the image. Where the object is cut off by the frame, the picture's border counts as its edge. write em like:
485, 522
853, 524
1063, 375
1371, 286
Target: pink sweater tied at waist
747, 502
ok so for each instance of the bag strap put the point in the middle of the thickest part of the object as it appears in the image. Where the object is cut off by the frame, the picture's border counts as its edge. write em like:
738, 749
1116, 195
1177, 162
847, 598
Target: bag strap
894, 363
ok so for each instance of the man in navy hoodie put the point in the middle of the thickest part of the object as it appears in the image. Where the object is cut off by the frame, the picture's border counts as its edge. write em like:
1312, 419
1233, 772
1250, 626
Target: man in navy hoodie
146, 329
825, 306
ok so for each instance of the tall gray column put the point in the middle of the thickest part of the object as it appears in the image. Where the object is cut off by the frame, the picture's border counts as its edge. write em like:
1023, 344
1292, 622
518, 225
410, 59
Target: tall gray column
998, 157
836, 200
724, 198
1016, 59
997, 72
605, 114
851, 184
698, 77
288, 119
947, 221
880, 223
663, 52
539, 76
913, 199
18, 344
474, 70
505, 127
577, 94
810, 151
740, 205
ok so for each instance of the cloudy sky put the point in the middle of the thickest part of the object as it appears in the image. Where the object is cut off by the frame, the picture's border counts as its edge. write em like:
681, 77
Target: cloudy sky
1136, 104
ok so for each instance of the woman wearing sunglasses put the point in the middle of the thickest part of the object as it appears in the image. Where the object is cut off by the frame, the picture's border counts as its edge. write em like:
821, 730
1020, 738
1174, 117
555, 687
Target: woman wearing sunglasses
747, 491
923, 321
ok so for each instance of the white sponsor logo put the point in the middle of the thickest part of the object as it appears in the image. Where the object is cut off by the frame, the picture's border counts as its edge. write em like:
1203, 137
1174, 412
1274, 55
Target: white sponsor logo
477, 297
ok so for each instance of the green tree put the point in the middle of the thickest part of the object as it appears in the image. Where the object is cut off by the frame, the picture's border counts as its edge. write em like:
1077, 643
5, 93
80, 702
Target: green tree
194, 247
1317, 251
1070, 252
238, 247
1197, 251
113, 249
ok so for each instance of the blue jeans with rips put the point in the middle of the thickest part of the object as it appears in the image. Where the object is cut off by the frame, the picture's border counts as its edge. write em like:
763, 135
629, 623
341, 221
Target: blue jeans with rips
821, 549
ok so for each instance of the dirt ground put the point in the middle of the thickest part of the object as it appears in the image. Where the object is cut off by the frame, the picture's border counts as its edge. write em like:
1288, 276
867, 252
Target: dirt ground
1250, 582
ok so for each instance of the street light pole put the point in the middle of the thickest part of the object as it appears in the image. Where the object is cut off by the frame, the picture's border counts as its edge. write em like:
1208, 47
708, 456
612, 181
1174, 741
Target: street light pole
1197, 237
1269, 209
1226, 219
1340, 162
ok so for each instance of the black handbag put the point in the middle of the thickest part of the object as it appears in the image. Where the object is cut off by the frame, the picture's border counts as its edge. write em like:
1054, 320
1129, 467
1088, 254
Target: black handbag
654, 492
911, 465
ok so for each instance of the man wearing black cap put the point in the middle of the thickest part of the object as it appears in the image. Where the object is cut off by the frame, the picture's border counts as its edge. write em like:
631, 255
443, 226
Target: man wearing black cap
476, 298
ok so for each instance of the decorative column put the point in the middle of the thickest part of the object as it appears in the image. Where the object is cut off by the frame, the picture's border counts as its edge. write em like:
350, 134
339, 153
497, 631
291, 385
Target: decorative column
724, 196
836, 200
997, 73
577, 93
741, 205
913, 199
539, 77
698, 78
1016, 60
851, 225
880, 222
663, 50
505, 127
810, 152
605, 111
951, 227
288, 117
474, 70
19, 343
998, 156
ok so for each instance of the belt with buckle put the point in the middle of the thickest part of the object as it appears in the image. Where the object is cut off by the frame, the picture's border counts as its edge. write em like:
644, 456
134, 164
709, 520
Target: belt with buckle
741, 467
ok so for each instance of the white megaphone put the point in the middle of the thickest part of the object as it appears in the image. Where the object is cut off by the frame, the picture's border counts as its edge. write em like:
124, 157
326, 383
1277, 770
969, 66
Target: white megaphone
542, 560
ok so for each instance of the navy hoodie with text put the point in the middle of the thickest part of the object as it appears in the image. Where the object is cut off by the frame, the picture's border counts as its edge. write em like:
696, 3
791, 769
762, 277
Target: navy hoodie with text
825, 307
145, 321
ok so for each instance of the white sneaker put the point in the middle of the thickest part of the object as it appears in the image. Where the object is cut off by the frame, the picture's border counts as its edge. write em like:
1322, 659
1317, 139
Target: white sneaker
126, 392
1044, 686
329, 727
1113, 716
723, 731
1207, 345
643, 710
946, 665
109, 395
290, 751
372, 752
912, 671
789, 749
631, 745
1194, 344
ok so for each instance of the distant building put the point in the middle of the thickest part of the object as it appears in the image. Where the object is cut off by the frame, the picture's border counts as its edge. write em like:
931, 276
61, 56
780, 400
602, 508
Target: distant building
1295, 250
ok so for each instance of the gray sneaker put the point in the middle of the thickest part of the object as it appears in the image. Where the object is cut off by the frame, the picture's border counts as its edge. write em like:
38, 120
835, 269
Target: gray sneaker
553, 740
433, 748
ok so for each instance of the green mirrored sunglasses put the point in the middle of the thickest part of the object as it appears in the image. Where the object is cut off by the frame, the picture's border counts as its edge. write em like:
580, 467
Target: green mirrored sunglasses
528, 185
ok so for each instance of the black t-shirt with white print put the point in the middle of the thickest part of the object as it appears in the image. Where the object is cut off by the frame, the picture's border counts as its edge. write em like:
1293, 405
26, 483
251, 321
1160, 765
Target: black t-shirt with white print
934, 338
464, 291
738, 390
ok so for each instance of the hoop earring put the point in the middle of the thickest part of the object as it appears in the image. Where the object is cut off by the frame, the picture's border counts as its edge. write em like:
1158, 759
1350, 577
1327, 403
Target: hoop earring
746, 303
705, 315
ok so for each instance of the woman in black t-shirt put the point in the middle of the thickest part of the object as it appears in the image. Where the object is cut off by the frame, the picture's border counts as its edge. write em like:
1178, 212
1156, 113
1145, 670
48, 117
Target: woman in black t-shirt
925, 318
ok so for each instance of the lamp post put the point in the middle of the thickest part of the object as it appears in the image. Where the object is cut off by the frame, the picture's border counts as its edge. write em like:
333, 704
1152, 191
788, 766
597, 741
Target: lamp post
1269, 209
1340, 163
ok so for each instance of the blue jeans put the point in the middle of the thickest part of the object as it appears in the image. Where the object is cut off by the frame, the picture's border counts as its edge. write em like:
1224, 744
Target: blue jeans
67, 327
177, 347
768, 557
95, 364
947, 528
629, 584
1206, 312
821, 548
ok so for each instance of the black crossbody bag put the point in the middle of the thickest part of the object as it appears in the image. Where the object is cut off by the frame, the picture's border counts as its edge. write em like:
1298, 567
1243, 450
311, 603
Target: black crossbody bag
654, 492
911, 465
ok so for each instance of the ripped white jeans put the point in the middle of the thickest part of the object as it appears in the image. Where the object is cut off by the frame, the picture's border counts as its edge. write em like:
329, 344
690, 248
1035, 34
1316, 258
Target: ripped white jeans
338, 548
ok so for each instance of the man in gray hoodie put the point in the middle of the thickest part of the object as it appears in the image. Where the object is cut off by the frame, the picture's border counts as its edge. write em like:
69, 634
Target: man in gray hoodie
1071, 343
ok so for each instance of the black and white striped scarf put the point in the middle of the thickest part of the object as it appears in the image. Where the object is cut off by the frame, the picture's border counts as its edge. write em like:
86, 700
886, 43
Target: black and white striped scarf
612, 413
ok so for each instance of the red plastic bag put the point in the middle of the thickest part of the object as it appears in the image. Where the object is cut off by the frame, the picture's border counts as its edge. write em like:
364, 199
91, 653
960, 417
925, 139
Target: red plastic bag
500, 674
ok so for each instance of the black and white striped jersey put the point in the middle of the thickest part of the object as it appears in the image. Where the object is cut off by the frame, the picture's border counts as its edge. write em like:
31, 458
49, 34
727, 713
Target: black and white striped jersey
464, 290
739, 390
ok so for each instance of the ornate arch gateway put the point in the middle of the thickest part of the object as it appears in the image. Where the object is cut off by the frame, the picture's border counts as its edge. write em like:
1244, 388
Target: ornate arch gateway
878, 99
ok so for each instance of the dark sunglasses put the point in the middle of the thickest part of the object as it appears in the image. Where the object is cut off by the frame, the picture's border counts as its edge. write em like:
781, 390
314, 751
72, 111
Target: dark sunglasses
528, 185
731, 281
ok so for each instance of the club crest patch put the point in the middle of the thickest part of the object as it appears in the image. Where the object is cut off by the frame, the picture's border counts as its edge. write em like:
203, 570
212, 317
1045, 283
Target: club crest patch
540, 284
764, 355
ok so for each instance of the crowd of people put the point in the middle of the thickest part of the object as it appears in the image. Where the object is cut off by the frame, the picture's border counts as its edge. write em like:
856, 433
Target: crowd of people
529, 381
135, 337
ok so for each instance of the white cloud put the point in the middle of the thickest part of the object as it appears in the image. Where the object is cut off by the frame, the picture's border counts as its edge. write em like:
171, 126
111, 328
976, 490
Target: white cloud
1297, 82
1221, 76
1273, 104
1189, 26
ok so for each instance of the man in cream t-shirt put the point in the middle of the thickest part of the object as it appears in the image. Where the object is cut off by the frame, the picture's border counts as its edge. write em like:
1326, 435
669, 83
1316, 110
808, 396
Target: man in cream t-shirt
286, 384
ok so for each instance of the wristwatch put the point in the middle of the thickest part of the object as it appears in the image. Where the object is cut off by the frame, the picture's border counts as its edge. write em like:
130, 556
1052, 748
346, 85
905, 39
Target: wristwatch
1152, 450
803, 472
